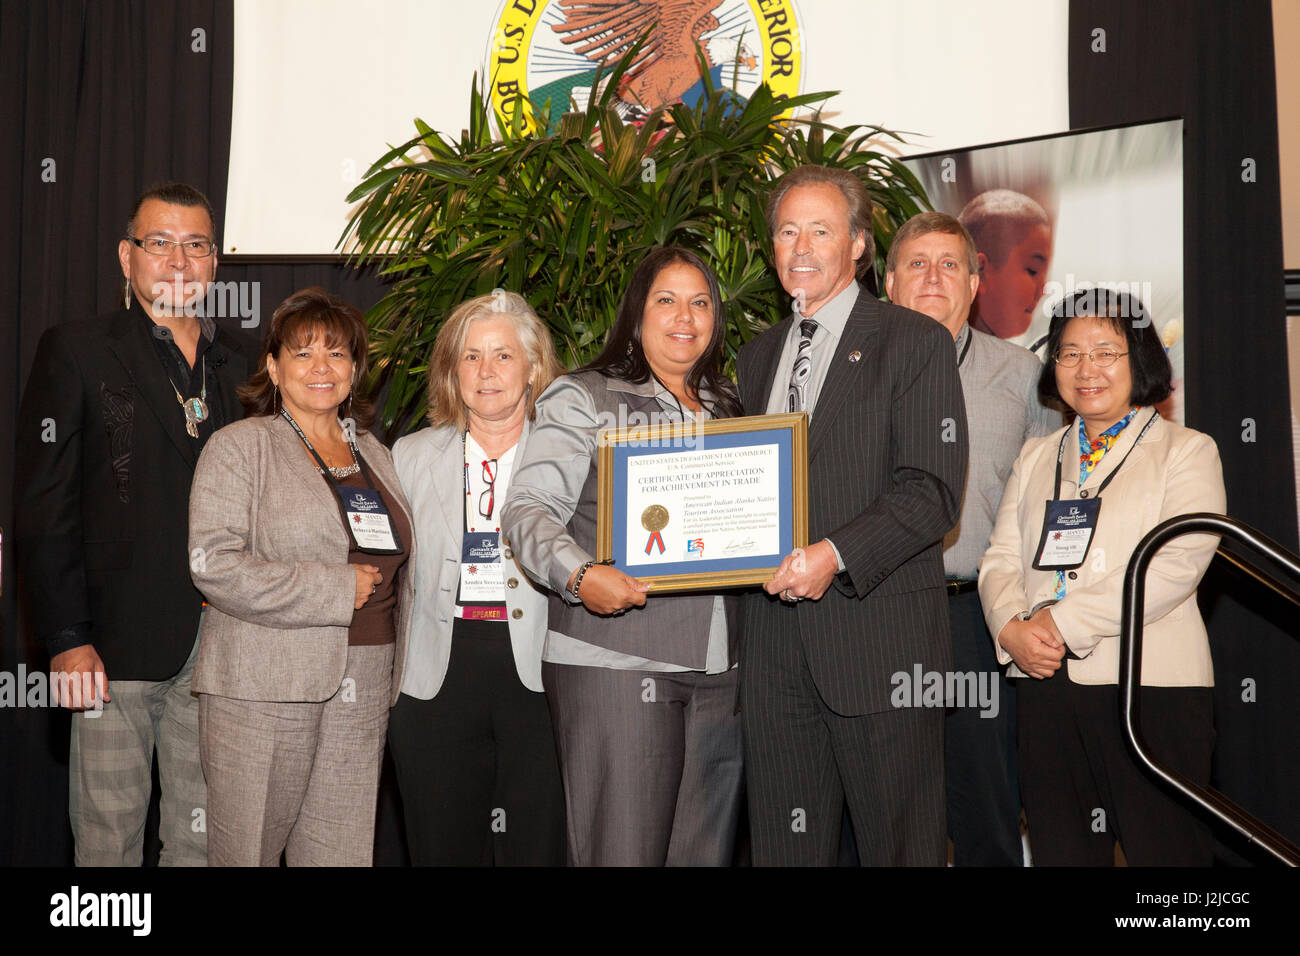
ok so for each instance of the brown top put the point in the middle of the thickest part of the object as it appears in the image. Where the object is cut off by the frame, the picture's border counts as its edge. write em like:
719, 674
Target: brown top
373, 623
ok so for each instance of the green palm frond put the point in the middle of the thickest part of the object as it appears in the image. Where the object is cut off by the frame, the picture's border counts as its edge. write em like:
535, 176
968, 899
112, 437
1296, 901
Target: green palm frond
562, 217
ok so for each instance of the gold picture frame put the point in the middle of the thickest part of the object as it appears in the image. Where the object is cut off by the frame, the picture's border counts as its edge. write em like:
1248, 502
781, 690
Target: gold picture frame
691, 436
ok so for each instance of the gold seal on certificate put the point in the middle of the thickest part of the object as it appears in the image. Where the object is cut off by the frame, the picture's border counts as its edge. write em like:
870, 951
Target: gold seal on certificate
654, 519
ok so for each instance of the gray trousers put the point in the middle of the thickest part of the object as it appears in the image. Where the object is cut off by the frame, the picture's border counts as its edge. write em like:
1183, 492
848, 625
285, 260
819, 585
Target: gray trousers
652, 765
298, 778
110, 777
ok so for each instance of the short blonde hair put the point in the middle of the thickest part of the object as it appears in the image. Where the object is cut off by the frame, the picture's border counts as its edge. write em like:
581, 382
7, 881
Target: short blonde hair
445, 404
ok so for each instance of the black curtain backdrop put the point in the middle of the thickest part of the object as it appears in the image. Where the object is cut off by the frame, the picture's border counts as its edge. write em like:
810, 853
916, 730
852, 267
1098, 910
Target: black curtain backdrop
1212, 63
118, 97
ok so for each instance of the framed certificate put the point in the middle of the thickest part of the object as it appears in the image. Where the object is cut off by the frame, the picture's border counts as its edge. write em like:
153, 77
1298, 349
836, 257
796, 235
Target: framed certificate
703, 504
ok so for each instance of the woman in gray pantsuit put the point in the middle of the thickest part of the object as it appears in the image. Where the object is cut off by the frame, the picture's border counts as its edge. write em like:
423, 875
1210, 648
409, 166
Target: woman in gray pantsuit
299, 540
641, 687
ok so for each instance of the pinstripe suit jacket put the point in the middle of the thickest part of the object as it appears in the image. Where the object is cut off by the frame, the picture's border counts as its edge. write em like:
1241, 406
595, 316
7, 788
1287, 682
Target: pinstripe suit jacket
887, 450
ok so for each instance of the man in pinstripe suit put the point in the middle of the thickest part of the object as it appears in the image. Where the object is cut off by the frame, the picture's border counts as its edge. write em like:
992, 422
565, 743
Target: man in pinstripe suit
859, 615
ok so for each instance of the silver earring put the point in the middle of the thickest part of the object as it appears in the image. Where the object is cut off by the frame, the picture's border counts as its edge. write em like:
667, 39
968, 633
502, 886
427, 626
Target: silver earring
629, 349
126, 294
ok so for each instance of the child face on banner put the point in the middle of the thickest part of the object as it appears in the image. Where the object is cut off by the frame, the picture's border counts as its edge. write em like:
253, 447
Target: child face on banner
1009, 291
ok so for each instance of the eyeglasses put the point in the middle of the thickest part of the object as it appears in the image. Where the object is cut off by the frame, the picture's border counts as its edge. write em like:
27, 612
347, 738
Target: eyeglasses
158, 246
489, 475
1102, 358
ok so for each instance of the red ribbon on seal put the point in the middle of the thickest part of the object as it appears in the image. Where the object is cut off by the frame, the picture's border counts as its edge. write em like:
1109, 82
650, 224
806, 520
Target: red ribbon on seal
654, 539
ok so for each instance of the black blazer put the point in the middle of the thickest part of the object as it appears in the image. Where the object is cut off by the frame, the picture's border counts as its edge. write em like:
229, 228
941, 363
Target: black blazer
887, 451
102, 487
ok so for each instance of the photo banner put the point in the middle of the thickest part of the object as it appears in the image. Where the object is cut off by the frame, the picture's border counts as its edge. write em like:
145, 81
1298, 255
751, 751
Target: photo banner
1057, 214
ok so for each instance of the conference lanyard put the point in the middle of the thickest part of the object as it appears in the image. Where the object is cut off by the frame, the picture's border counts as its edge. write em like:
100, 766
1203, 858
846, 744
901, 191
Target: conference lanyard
1070, 526
970, 335
366, 519
482, 574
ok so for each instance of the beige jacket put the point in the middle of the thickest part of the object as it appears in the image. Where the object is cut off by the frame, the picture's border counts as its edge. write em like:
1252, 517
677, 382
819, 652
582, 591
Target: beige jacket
1172, 471
269, 552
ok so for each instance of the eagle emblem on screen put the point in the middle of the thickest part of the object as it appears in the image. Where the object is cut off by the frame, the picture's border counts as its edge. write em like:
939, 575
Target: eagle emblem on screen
550, 58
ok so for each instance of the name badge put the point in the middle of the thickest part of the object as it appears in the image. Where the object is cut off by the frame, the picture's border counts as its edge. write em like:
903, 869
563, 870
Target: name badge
368, 520
1068, 529
482, 576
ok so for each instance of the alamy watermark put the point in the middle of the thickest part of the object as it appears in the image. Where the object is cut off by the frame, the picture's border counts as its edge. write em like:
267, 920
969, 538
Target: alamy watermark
216, 300
1139, 293
918, 688
80, 689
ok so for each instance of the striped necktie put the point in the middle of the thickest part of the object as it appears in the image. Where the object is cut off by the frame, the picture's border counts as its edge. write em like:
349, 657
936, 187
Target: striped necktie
797, 397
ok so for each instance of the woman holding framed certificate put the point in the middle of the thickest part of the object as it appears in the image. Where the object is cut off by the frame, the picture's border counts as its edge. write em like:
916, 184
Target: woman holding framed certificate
641, 687
1077, 504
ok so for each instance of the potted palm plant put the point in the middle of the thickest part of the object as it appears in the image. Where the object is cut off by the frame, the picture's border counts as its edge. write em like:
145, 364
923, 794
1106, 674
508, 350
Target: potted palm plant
560, 217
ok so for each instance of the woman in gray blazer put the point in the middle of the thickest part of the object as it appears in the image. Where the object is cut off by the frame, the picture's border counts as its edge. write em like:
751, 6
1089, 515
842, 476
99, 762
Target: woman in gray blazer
641, 688
299, 540
470, 735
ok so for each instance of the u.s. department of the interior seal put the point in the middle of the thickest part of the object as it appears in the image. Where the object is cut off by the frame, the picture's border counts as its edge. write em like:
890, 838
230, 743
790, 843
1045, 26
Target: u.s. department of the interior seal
543, 55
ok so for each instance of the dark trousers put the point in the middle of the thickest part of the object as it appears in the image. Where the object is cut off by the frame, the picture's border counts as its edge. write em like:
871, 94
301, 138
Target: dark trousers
1083, 790
476, 765
803, 762
979, 755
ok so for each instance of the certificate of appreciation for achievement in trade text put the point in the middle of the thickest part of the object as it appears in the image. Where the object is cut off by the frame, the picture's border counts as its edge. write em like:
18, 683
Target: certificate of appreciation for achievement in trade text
703, 505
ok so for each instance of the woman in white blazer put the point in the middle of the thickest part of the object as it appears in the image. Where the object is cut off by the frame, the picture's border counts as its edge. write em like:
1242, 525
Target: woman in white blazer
1055, 609
471, 734
303, 640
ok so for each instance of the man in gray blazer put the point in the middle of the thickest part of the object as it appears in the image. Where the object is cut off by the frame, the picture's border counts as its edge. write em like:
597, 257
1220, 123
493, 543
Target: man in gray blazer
823, 649
933, 268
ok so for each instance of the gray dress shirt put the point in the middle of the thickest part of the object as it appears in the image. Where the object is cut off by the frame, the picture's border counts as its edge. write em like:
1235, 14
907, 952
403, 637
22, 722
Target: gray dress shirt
831, 319
1000, 383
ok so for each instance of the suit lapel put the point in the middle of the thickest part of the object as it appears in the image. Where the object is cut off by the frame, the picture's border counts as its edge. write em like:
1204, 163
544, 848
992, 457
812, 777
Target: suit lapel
229, 366
300, 463
447, 484
129, 342
859, 336
769, 347
381, 466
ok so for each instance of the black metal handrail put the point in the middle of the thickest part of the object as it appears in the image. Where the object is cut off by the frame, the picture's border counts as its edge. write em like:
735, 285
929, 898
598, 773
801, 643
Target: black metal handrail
1130, 671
